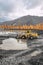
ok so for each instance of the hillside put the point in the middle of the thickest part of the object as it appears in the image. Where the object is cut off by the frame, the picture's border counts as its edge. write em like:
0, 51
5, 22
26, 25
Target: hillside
25, 20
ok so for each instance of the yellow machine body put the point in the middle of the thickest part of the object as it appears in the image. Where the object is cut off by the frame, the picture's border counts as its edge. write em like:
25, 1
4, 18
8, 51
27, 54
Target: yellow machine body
29, 34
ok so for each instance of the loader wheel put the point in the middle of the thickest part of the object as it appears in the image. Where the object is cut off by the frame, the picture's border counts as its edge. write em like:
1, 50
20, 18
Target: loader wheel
23, 37
31, 37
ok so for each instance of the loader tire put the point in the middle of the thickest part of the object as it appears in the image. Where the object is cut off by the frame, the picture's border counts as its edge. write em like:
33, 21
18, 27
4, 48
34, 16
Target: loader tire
23, 37
31, 37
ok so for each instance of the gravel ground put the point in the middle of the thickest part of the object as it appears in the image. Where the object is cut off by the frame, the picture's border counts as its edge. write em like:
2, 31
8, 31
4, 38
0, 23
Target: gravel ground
6, 56
35, 60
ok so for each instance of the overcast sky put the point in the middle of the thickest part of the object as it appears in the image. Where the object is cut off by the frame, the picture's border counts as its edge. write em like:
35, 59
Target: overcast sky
12, 9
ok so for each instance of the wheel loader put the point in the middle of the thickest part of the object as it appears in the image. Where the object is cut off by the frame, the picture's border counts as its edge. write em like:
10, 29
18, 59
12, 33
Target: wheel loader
28, 34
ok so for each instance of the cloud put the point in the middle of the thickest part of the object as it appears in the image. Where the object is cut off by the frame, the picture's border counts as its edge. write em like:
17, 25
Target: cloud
32, 3
12, 9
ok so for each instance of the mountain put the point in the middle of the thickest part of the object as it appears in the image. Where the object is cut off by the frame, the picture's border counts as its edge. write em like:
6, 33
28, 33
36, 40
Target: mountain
25, 20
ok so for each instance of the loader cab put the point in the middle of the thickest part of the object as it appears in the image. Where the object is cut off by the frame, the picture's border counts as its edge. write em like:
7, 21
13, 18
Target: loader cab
28, 31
